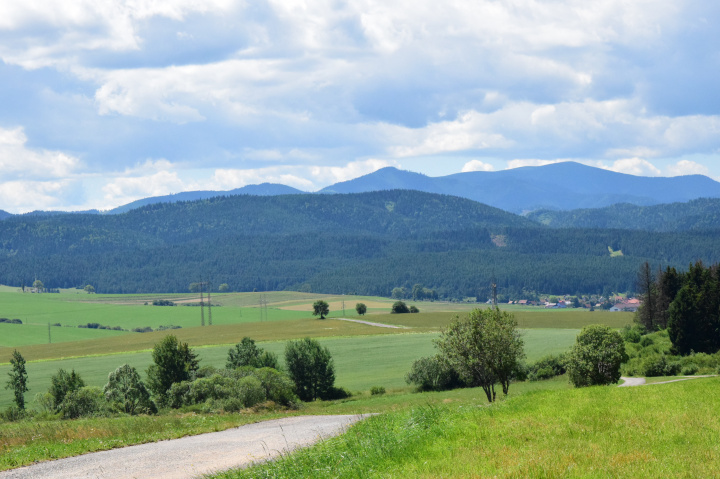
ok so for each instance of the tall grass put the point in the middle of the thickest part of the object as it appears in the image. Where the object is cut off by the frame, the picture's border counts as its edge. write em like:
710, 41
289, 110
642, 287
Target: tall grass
653, 431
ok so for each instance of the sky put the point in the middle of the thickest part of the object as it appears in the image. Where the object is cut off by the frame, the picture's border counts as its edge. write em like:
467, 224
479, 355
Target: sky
103, 102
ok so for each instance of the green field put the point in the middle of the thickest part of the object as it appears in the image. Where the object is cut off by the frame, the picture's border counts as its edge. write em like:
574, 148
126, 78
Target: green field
72, 308
361, 361
665, 430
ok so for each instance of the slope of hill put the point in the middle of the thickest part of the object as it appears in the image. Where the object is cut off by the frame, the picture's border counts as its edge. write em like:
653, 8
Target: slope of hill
4, 214
696, 215
559, 186
365, 243
263, 189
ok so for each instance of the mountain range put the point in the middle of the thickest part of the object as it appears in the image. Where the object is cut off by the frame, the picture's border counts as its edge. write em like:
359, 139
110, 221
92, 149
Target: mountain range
558, 186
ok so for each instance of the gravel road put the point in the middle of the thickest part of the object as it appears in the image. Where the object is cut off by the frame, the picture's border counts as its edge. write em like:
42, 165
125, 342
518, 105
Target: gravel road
193, 456
370, 323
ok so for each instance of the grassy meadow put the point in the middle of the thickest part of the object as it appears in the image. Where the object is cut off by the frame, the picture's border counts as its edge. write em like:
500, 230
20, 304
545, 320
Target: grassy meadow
667, 430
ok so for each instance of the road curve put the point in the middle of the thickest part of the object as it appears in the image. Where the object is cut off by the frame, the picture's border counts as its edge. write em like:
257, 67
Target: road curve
629, 382
193, 456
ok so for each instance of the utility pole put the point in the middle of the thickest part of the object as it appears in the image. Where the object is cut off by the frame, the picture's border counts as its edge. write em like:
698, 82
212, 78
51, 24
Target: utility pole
209, 305
49, 338
493, 285
202, 304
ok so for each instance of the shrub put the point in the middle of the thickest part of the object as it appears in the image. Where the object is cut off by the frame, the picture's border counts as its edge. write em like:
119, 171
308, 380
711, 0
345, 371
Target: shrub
596, 357
13, 413
547, 367
278, 387
658, 365
399, 307
84, 402
335, 393
413, 309
377, 390
126, 391
690, 369
646, 341
63, 383
246, 353
433, 374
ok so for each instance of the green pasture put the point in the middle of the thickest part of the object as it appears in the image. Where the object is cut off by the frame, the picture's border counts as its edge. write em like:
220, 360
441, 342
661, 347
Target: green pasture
541, 318
360, 361
16, 335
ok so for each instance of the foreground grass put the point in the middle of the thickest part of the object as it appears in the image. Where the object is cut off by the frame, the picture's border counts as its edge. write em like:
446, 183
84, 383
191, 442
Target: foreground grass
28, 441
356, 357
659, 431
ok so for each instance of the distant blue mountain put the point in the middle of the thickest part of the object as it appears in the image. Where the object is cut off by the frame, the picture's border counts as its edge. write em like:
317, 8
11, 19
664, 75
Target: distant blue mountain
4, 214
559, 186
264, 189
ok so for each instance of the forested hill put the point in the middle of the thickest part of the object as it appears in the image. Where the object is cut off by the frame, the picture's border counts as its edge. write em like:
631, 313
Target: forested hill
356, 243
696, 215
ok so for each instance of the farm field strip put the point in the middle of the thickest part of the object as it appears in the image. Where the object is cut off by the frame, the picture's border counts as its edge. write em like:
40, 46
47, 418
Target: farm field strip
360, 361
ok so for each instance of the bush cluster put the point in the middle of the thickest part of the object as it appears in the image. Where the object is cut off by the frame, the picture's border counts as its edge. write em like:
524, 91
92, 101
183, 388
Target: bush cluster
547, 367
10, 321
433, 374
162, 302
100, 326
651, 356
231, 390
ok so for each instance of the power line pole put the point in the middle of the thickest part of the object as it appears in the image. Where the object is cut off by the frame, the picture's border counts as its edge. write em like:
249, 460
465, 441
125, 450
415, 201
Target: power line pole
209, 305
493, 285
202, 304
49, 338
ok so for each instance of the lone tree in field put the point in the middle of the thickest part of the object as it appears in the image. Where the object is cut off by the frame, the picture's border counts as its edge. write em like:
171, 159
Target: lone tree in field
38, 285
321, 308
311, 368
174, 362
224, 288
361, 309
127, 392
245, 353
596, 357
89, 289
18, 379
485, 348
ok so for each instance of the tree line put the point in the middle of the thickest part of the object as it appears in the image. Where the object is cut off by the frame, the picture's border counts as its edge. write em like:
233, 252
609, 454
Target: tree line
176, 379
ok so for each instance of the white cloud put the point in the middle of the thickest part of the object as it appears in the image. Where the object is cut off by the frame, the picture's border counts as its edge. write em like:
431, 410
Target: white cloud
687, 167
126, 189
334, 174
17, 161
467, 132
477, 165
227, 179
635, 166
23, 196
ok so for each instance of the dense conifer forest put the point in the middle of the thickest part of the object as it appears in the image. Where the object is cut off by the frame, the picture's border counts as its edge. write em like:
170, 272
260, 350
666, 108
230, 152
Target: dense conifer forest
365, 243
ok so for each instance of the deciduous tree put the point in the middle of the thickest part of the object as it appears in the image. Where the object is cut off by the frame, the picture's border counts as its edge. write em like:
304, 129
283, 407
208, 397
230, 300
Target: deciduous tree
18, 379
173, 362
485, 348
321, 308
596, 357
311, 368
361, 308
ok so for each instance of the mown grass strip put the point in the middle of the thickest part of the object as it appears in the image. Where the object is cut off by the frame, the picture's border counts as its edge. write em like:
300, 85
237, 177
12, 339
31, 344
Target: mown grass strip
661, 431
